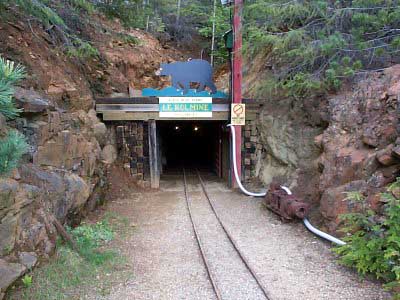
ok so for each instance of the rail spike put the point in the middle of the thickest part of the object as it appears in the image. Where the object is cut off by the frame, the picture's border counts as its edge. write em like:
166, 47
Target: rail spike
288, 207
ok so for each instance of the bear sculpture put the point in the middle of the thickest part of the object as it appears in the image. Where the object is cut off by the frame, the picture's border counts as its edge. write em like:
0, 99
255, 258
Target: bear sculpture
193, 71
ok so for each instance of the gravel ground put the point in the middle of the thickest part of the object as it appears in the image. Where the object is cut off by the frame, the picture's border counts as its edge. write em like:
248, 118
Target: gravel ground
167, 263
292, 263
232, 278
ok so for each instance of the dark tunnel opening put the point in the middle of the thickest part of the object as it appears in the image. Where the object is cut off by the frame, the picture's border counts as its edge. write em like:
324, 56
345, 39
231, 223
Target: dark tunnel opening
194, 144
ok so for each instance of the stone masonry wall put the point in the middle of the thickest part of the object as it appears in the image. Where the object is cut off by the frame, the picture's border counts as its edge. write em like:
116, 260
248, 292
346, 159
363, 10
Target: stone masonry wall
133, 149
251, 150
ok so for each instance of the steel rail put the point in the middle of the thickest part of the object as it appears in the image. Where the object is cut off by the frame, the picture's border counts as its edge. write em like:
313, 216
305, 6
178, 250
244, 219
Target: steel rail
199, 243
233, 242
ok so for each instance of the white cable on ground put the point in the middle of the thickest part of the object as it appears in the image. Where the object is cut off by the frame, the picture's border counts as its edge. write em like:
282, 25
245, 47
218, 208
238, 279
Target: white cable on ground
235, 170
322, 234
287, 190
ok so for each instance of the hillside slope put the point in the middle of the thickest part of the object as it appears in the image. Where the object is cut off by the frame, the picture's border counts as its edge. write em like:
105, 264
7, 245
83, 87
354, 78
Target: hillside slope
70, 150
329, 144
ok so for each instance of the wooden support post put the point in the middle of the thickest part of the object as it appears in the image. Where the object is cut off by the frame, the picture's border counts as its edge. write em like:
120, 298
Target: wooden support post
153, 156
237, 79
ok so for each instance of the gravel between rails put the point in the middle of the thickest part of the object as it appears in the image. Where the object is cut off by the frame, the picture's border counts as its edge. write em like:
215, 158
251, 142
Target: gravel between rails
291, 262
232, 277
163, 250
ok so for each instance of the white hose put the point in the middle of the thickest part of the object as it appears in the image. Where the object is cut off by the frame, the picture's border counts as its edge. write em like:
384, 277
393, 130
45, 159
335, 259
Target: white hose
322, 234
235, 170
242, 188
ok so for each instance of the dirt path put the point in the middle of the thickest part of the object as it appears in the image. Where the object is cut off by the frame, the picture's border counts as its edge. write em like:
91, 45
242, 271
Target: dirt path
291, 262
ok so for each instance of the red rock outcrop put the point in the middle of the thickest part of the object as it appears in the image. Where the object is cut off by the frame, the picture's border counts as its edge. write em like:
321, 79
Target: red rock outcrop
358, 147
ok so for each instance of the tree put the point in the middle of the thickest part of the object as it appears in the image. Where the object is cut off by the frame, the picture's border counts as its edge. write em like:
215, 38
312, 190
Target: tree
9, 75
13, 145
313, 46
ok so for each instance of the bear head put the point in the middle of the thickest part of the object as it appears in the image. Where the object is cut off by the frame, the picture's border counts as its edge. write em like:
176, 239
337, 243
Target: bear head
164, 70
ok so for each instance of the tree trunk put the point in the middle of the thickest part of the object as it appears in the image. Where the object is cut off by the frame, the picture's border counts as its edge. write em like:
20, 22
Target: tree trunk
213, 33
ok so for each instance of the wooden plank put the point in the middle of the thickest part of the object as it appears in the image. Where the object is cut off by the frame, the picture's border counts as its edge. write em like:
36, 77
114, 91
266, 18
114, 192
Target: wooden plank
134, 100
145, 116
153, 156
101, 108
154, 100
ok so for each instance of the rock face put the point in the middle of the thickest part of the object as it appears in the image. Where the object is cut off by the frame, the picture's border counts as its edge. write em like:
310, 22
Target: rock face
30, 101
359, 145
66, 168
287, 138
9, 272
70, 150
345, 143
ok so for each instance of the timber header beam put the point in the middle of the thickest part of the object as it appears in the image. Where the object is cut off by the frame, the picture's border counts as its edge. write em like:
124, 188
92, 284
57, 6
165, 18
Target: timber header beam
146, 108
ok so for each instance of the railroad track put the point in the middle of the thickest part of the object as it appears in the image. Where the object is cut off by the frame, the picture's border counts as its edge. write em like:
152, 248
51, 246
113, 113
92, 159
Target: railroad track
201, 245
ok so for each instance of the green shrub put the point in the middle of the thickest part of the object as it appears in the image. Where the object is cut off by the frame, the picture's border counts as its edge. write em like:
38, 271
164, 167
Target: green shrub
12, 147
10, 73
373, 247
313, 46
82, 50
72, 275
27, 280
83, 5
128, 39
91, 236
132, 13
41, 11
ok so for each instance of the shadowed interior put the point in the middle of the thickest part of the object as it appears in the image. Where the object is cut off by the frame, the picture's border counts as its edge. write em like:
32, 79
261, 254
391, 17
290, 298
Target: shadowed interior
193, 144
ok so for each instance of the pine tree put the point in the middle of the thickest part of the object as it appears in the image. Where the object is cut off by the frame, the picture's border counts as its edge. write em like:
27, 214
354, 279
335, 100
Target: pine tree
9, 75
13, 145
313, 46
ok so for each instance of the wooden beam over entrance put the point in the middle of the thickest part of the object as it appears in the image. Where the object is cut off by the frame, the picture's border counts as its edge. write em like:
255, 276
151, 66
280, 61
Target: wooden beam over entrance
147, 108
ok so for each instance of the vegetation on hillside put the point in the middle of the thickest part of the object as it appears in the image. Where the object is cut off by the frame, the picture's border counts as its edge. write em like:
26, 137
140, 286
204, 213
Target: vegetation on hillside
309, 46
373, 243
71, 275
313, 46
12, 145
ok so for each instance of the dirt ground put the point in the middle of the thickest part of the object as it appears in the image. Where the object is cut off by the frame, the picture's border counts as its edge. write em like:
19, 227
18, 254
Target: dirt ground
291, 262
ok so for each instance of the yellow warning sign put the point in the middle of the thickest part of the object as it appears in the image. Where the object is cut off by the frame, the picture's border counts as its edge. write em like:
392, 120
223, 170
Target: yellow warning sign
238, 114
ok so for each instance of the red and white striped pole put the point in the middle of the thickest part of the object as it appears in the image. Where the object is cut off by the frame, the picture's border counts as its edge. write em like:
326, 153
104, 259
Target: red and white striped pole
237, 79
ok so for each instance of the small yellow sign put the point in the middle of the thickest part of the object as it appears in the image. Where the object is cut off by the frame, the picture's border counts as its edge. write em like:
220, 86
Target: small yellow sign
238, 114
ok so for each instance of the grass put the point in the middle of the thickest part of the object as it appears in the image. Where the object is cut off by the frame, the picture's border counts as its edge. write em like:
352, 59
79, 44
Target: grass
71, 275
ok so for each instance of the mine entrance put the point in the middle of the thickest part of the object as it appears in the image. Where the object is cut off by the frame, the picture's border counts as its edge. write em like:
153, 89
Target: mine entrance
194, 144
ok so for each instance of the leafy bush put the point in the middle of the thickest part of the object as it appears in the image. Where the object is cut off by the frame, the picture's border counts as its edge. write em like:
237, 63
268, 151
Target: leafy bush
374, 244
12, 147
82, 50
